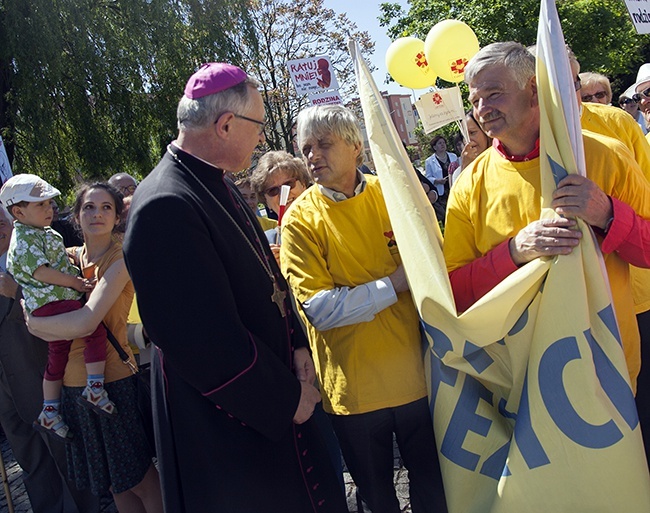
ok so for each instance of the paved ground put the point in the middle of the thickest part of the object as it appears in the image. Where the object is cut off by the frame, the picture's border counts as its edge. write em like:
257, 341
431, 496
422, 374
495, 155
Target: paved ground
21, 502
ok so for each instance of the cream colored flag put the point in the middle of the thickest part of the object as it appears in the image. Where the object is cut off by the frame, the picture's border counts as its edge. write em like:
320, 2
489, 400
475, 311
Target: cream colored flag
531, 403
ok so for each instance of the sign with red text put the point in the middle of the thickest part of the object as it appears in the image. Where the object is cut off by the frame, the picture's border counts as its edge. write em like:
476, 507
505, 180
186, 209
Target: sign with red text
328, 98
313, 74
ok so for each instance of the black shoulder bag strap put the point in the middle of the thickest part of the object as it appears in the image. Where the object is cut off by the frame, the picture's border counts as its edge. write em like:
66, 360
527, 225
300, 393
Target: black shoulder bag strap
121, 353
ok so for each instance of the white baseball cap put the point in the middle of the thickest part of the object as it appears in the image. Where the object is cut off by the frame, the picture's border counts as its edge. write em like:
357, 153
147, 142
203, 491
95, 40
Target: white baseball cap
26, 187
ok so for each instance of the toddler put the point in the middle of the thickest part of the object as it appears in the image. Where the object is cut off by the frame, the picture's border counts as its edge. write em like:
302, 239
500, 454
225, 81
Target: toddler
38, 261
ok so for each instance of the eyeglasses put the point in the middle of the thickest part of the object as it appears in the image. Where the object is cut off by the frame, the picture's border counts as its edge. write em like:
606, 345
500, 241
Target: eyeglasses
577, 83
128, 189
274, 191
262, 124
625, 101
643, 95
599, 96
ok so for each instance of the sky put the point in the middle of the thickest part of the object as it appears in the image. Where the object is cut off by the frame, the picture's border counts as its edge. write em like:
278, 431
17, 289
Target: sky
365, 13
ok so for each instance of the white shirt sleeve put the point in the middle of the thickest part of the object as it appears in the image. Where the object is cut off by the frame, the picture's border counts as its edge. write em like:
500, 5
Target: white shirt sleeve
344, 306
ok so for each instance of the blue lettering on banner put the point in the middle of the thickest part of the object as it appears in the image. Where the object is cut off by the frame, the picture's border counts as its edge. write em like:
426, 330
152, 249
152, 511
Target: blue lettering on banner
554, 395
440, 373
495, 466
553, 392
609, 318
520, 324
505, 413
441, 343
558, 171
466, 419
529, 445
613, 383
477, 357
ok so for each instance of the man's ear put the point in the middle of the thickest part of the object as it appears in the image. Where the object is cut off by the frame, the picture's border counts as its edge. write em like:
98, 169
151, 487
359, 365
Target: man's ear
223, 125
533, 85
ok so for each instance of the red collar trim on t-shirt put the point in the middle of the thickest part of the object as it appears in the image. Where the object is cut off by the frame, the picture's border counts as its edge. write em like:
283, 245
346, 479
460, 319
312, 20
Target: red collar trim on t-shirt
516, 158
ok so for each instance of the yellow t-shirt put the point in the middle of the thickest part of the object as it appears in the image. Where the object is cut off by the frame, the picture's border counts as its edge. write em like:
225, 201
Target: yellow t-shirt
616, 123
266, 223
495, 198
115, 320
325, 244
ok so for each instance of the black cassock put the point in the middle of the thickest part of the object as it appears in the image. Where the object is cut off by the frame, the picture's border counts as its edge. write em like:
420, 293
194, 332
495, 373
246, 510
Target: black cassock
226, 393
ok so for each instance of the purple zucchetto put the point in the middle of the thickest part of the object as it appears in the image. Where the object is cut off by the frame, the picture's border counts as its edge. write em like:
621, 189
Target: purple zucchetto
212, 78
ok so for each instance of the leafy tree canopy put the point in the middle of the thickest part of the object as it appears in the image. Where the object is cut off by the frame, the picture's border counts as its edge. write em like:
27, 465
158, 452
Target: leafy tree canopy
90, 87
599, 31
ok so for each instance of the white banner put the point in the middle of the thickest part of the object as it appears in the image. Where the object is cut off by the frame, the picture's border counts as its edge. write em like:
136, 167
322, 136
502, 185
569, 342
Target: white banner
5, 167
440, 108
639, 11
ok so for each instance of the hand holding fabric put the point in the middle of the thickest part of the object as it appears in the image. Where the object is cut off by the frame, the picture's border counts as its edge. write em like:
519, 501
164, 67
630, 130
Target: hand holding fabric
577, 196
546, 237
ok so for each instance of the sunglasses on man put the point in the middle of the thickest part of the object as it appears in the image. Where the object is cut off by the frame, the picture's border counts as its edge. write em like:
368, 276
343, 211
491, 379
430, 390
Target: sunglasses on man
626, 101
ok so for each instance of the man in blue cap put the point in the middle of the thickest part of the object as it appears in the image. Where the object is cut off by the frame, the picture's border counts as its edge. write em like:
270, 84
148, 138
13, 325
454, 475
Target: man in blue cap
234, 411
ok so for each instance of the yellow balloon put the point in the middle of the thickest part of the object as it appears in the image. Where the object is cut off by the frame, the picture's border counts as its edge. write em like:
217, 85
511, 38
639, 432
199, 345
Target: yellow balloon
448, 47
407, 64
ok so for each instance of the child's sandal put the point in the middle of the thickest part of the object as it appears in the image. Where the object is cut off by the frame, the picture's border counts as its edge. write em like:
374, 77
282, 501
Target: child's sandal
55, 427
97, 401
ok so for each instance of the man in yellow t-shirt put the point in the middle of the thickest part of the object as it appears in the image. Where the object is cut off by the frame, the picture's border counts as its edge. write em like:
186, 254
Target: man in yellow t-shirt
493, 221
341, 260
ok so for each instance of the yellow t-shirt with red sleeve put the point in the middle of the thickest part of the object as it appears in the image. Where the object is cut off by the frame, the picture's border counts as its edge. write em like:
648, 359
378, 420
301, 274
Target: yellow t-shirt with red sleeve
115, 320
325, 245
495, 198
616, 123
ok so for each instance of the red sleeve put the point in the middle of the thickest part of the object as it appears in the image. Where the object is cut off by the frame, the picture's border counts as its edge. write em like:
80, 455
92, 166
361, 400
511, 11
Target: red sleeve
629, 235
472, 281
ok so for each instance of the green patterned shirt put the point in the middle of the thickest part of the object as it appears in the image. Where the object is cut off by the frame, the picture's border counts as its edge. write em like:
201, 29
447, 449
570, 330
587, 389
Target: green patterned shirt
29, 249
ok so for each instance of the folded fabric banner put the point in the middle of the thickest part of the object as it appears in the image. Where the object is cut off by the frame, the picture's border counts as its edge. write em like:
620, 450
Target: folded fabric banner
529, 390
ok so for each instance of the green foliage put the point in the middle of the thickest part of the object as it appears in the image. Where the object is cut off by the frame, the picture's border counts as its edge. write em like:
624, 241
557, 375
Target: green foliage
599, 31
90, 87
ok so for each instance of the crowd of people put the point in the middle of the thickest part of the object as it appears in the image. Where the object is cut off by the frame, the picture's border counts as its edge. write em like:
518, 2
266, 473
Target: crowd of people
285, 336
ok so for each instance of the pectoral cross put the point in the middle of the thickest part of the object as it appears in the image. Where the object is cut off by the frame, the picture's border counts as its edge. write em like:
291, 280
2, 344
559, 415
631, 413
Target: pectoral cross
278, 298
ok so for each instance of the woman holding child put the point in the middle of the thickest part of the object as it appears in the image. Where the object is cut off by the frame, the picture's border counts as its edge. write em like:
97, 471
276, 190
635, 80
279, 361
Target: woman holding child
106, 452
